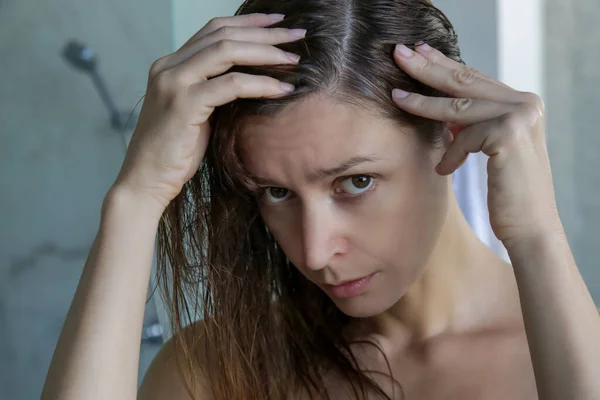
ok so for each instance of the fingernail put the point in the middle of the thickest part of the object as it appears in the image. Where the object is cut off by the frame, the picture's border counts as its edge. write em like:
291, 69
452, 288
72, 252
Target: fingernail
287, 87
424, 46
299, 33
403, 50
400, 94
293, 57
276, 17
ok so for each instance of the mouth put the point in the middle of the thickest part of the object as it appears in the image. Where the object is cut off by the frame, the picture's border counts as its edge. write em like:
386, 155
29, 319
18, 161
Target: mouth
349, 288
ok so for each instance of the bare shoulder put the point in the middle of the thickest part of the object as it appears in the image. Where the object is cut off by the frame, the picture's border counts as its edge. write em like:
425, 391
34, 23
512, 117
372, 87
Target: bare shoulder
164, 379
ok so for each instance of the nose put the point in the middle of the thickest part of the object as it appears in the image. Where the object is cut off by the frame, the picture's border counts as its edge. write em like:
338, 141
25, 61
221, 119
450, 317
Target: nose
321, 239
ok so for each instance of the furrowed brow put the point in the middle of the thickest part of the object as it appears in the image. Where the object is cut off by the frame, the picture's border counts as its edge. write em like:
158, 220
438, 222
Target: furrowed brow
341, 168
322, 173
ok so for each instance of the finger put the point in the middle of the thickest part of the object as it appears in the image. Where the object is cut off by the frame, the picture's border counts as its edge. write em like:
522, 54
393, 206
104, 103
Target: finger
242, 34
461, 82
458, 111
438, 57
482, 137
234, 85
219, 57
223, 27
248, 20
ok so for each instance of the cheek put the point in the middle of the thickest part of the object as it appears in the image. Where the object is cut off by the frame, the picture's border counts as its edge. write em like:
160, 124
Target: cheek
285, 225
403, 229
395, 230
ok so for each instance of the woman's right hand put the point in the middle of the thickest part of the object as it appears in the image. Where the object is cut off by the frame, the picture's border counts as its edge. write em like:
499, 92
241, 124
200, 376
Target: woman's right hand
184, 88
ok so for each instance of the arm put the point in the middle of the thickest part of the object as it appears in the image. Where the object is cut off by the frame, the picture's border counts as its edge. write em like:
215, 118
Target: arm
484, 115
561, 320
98, 350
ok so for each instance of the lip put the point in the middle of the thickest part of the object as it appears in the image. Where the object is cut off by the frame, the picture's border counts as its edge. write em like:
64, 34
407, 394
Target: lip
350, 288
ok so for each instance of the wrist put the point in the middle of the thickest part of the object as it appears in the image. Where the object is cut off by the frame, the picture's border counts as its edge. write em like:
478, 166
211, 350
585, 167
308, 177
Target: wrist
545, 226
548, 239
121, 196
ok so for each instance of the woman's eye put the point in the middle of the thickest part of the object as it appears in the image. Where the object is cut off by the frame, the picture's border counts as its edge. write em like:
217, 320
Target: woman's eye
275, 194
357, 184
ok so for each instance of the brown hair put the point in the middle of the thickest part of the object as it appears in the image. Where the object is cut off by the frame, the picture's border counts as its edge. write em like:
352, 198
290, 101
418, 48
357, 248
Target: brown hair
271, 332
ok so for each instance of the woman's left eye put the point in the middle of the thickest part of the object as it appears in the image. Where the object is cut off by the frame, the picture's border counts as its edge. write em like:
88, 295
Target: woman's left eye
357, 184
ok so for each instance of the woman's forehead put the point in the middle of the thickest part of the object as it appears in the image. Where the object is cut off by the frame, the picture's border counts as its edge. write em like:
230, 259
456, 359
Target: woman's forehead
321, 126
319, 136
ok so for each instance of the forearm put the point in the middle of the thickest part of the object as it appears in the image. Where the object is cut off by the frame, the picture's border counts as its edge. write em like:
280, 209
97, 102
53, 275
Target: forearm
561, 320
97, 353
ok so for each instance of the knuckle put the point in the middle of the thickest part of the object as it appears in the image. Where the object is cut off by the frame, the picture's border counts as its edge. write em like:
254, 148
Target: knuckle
224, 31
465, 76
461, 105
162, 82
534, 101
417, 100
531, 113
215, 23
157, 66
424, 65
236, 79
224, 45
168, 82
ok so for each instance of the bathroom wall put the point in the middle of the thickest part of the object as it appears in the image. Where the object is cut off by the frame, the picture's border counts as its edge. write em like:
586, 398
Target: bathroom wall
58, 157
572, 84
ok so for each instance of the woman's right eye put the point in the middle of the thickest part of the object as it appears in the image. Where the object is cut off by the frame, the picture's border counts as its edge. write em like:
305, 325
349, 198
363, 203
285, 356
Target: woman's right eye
275, 194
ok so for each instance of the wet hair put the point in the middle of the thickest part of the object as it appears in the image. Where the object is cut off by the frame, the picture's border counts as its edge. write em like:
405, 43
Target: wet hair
270, 332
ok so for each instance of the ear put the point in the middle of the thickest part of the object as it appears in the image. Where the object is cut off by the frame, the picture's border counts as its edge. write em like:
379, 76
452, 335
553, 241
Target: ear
450, 132
447, 136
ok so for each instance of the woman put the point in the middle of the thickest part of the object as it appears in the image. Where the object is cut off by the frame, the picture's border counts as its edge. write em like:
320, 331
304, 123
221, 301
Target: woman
298, 171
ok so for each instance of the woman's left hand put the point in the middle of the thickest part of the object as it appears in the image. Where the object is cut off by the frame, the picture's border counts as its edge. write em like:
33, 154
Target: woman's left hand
497, 120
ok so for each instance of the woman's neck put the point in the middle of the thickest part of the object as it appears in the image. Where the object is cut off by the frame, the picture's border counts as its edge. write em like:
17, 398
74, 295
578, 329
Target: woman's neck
460, 289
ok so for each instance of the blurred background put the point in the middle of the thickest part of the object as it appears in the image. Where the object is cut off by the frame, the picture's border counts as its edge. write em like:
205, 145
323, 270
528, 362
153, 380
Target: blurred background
72, 72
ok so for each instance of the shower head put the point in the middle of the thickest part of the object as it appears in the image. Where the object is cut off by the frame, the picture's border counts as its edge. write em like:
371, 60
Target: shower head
85, 59
80, 56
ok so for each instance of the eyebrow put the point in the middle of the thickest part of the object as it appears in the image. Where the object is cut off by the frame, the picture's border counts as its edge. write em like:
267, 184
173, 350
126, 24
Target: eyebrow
340, 169
325, 173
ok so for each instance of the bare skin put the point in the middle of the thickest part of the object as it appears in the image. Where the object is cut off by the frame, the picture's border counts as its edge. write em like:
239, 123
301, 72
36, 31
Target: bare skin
98, 351
454, 316
453, 319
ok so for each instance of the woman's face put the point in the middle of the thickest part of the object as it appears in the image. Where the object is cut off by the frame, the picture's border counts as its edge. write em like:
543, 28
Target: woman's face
347, 195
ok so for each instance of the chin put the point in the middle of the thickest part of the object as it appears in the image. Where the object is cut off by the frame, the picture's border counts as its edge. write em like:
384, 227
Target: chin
363, 306
375, 300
